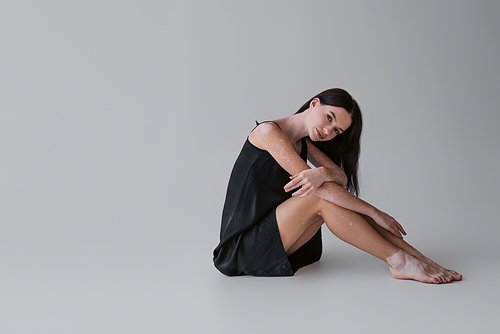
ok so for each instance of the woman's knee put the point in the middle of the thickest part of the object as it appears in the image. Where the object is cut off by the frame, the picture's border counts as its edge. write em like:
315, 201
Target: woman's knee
325, 206
318, 204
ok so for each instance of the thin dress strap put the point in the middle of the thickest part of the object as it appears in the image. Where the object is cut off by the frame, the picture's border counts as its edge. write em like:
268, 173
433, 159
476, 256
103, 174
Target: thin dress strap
257, 122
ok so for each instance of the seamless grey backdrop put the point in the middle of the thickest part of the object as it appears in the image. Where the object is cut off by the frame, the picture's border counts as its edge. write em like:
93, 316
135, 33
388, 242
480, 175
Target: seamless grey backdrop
120, 122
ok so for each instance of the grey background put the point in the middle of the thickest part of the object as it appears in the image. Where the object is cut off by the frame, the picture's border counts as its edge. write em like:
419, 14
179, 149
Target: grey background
120, 122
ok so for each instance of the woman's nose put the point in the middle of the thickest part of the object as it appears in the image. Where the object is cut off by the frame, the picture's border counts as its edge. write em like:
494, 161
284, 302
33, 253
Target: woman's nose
328, 130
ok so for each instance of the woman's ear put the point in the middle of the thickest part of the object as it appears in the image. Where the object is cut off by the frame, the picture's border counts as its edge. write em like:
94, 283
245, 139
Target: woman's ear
314, 102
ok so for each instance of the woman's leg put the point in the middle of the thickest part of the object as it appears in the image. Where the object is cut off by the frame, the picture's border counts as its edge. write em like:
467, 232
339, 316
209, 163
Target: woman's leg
306, 235
298, 221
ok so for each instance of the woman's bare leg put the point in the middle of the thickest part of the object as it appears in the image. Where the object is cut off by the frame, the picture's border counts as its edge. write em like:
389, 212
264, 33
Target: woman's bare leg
307, 234
296, 216
410, 249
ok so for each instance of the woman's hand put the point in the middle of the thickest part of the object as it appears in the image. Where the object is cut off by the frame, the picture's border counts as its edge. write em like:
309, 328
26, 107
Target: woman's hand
308, 180
388, 223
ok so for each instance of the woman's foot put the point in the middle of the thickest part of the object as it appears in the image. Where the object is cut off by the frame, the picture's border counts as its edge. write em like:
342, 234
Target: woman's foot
419, 256
405, 266
456, 276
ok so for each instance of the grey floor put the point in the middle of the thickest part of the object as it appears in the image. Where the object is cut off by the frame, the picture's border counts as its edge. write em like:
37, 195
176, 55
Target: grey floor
120, 122
137, 278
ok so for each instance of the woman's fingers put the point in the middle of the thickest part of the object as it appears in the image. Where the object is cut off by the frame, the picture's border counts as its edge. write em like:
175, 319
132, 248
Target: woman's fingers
396, 232
304, 190
392, 225
300, 193
310, 190
307, 180
401, 228
398, 228
292, 184
295, 183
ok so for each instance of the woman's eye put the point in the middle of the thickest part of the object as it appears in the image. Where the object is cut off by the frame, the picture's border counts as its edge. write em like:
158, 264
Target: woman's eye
329, 118
337, 131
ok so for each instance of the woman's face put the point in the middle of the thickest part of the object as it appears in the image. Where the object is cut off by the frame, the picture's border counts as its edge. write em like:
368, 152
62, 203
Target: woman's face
325, 121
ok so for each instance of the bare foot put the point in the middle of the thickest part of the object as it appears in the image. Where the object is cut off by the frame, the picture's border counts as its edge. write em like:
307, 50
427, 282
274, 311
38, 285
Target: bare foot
456, 276
405, 266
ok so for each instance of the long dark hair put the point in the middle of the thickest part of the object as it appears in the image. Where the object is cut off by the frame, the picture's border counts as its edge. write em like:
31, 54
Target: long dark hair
344, 149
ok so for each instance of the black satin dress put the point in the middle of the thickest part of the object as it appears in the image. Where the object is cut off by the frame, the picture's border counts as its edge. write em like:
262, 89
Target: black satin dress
250, 243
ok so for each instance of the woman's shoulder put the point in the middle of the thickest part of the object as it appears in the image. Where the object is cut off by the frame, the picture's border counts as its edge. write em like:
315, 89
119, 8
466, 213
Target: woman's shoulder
267, 126
264, 134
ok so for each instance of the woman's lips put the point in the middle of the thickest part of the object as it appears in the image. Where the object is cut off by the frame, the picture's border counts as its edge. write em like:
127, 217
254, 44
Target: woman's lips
319, 134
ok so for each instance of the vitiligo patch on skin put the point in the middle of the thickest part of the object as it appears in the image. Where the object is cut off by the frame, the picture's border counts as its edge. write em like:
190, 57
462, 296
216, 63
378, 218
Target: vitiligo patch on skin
278, 146
264, 127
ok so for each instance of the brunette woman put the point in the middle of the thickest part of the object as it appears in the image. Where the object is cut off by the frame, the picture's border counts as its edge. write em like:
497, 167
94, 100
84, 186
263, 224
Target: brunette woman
275, 203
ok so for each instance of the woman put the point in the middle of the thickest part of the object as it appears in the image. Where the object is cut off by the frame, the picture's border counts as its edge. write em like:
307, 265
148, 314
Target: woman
275, 203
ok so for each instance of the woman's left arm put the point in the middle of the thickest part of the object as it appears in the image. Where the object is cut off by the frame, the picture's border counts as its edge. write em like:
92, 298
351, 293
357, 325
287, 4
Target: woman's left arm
326, 170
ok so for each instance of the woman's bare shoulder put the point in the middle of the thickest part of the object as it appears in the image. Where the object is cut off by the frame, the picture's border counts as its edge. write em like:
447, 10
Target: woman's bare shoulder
269, 137
264, 134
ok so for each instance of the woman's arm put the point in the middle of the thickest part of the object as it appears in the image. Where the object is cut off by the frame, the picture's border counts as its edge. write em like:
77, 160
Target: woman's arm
269, 137
321, 160
326, 170
340, 196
